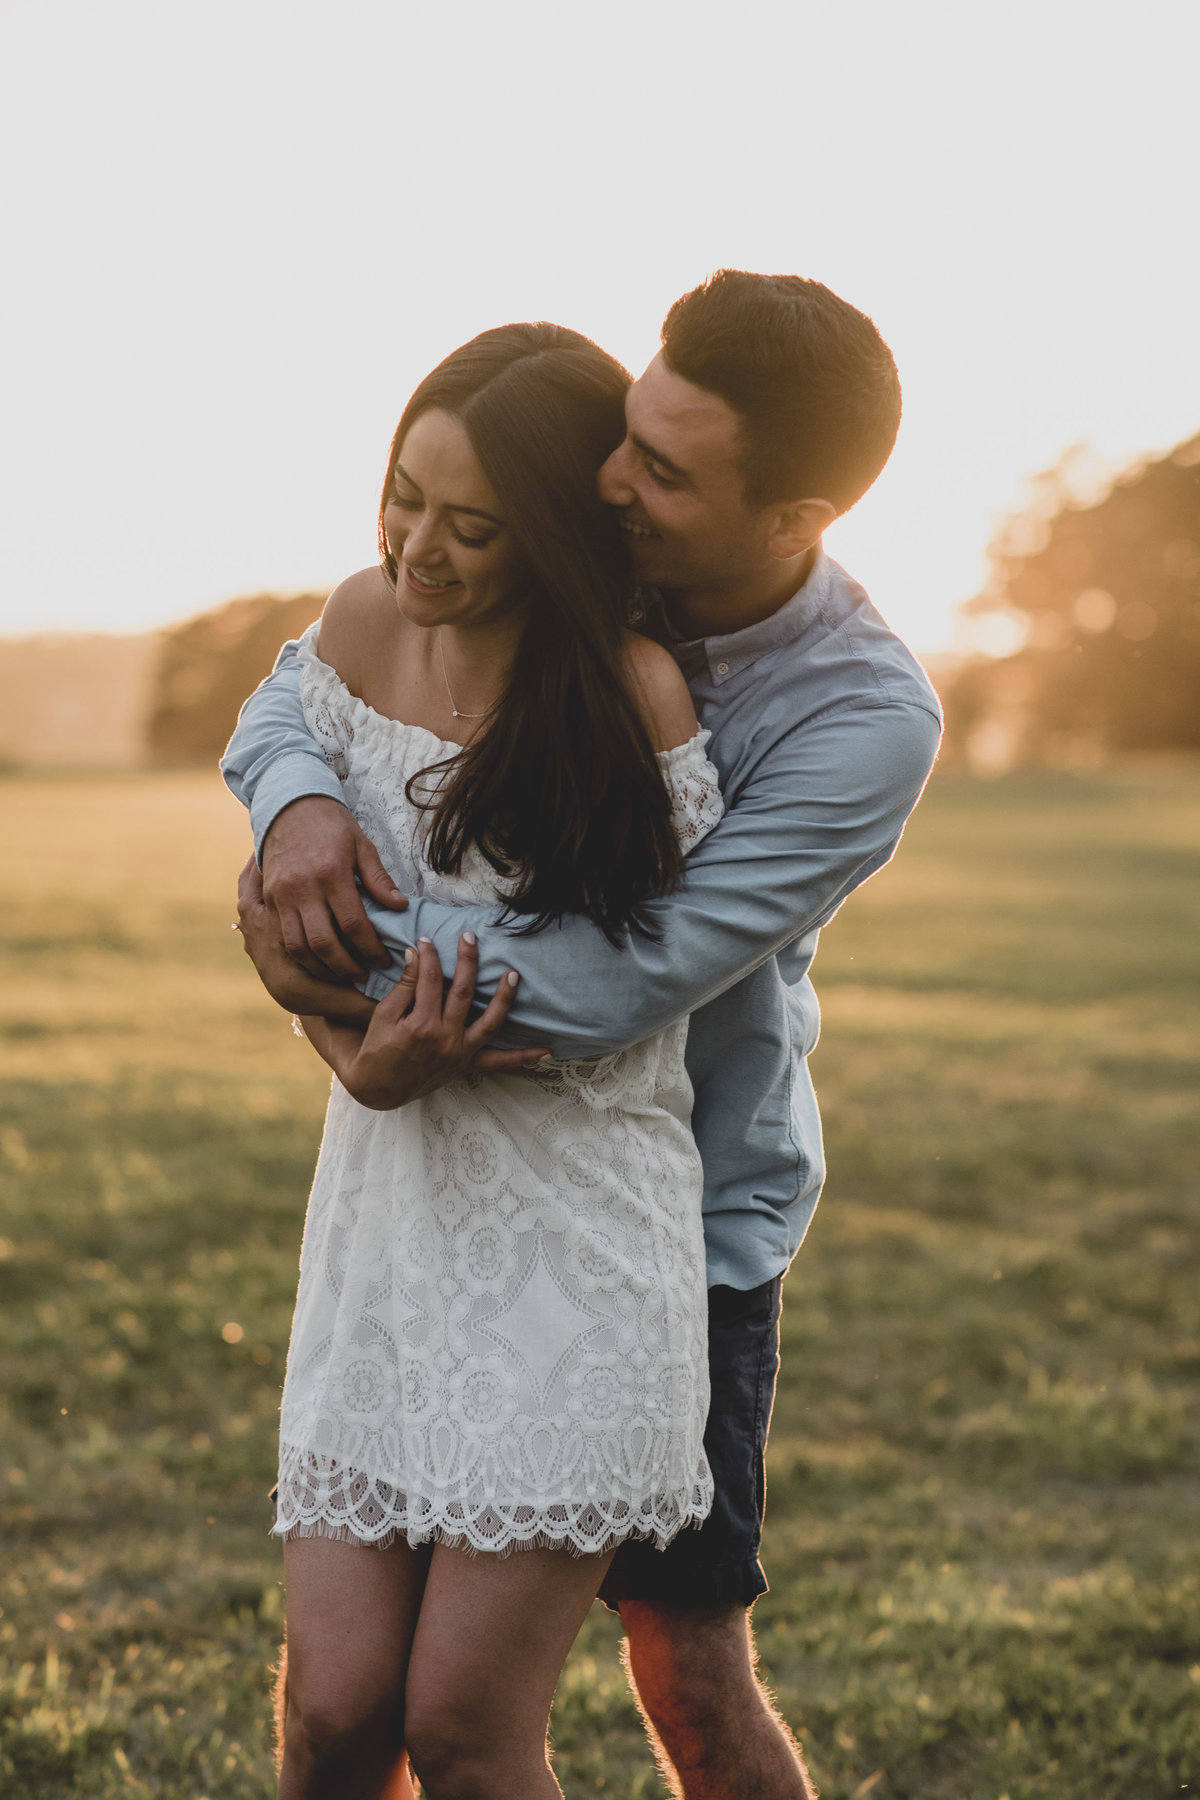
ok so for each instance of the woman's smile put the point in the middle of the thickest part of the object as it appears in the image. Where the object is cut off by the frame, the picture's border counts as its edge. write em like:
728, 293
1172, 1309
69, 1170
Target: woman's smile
425, 584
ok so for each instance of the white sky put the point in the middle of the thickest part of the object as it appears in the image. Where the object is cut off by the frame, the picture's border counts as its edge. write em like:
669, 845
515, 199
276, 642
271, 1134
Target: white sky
236, 235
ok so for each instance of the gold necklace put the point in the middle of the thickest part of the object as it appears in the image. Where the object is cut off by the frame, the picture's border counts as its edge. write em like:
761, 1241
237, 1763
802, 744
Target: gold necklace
449, 695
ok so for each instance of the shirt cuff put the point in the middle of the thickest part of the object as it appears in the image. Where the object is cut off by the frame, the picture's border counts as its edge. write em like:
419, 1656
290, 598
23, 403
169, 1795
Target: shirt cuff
296, 777
379, 984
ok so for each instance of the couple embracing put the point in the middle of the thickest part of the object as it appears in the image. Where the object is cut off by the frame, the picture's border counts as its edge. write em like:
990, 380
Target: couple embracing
605, 738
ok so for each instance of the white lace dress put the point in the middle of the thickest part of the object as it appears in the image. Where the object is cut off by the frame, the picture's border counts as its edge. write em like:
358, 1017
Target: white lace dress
500, 1331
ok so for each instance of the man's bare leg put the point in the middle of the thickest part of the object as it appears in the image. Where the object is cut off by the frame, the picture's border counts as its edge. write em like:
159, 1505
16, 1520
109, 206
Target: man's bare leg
279, 1706
712, 1722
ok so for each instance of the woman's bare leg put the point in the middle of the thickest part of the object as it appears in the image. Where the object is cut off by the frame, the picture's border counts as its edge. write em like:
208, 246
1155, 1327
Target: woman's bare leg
351, 1613
400, 1788
490, 1643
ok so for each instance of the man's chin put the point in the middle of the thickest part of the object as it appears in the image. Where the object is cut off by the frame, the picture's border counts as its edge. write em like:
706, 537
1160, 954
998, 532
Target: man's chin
650, 566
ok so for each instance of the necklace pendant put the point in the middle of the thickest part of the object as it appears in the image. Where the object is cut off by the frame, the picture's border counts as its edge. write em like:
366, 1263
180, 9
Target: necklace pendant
450, 697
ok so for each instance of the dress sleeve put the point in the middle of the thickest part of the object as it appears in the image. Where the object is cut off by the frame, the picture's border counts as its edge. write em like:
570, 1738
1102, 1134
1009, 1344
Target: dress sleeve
320, 690
694, 788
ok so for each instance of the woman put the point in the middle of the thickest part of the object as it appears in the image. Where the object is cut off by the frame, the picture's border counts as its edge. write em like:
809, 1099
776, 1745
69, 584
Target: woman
499, 1335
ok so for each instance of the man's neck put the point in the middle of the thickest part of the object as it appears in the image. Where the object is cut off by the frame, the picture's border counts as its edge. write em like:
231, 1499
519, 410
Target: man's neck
720, 609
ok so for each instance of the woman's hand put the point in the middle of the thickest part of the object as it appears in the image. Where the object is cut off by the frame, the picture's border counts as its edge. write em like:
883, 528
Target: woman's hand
415, 1043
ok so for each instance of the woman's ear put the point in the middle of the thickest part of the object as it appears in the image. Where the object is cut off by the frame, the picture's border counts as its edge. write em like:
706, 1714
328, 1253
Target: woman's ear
797, 525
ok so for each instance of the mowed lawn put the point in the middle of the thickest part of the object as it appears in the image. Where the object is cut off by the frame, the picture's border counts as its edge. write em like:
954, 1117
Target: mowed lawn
982, 1535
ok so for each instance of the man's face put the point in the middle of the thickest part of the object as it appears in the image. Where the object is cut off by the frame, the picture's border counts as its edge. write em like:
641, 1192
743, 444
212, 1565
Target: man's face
677, 482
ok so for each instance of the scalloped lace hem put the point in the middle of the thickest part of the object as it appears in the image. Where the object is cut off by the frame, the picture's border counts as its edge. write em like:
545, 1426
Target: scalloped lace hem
358, 1509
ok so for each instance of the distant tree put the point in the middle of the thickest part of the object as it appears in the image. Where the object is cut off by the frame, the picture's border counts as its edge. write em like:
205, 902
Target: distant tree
209, 664
1108, 591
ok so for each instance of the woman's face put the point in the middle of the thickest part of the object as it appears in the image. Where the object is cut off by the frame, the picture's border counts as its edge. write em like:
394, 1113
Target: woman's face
456, 561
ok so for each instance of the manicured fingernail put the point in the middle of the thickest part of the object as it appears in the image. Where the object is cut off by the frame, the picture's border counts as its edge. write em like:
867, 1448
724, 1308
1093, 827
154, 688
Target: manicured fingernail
469, 938
410, 956
511, 978
428, 941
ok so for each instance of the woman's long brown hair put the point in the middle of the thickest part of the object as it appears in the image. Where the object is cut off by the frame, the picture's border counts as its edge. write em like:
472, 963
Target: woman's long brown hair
560, 791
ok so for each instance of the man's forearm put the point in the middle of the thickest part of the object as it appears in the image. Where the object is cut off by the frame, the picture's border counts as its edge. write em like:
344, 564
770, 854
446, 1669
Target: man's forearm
825, 815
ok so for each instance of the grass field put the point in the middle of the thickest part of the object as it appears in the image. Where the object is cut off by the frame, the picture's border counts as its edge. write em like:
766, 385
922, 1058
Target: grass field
981, 1538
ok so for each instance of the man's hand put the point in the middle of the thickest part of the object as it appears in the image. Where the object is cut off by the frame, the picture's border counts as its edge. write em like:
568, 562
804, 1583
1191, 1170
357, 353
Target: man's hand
292, 987
311, 855
414, 1043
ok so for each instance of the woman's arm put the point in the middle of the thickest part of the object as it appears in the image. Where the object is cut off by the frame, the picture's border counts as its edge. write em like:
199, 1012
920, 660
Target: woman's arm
661, 692
337, 1045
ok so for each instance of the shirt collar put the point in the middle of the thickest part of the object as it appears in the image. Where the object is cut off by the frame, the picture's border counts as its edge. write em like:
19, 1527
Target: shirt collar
723, 657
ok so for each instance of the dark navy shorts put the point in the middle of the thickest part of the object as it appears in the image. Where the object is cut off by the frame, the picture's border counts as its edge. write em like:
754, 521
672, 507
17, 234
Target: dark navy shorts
717, 1563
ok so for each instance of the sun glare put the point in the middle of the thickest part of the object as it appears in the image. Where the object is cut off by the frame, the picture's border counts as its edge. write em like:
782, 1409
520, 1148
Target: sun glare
244, 234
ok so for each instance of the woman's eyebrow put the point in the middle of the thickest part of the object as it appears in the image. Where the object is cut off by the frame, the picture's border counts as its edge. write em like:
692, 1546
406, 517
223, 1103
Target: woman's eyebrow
476, 512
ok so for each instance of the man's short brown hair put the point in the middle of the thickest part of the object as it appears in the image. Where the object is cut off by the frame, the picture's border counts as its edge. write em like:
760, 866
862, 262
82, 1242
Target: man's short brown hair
813, 382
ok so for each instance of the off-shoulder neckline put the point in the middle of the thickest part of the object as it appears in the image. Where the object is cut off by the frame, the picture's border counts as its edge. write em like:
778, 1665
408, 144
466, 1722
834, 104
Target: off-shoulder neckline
362, 707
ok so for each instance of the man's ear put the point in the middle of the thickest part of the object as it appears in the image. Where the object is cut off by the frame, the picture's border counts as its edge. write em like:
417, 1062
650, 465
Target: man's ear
797, 525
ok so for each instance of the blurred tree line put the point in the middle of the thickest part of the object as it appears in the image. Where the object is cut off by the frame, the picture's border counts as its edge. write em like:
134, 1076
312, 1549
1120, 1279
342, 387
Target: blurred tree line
209, 664
1107, 591
1105, 588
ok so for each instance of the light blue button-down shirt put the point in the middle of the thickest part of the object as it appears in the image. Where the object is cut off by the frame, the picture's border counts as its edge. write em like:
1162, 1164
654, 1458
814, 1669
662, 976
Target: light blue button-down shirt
824, 729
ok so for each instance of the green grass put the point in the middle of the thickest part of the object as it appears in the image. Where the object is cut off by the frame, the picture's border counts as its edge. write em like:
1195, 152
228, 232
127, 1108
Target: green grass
985, 1575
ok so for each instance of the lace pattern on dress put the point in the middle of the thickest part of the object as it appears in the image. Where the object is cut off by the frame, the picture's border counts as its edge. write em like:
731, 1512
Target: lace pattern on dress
500, 1331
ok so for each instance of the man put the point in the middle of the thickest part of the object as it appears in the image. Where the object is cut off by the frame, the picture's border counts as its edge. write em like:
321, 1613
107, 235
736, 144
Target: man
771, 408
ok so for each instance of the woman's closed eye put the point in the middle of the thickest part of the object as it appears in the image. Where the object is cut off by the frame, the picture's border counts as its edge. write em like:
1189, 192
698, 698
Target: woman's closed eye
472, 543
409, 503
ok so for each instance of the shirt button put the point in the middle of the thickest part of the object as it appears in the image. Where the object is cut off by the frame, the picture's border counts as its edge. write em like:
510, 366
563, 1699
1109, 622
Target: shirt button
722, 668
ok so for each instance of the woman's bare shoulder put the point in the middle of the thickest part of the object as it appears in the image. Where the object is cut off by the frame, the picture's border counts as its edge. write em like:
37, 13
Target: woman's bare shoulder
357, 623
660, 690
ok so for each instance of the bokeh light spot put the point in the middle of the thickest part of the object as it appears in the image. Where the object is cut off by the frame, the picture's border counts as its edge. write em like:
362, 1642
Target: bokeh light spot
1094, 610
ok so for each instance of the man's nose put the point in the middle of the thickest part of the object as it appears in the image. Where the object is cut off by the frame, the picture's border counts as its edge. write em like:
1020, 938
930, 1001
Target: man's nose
612, 480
